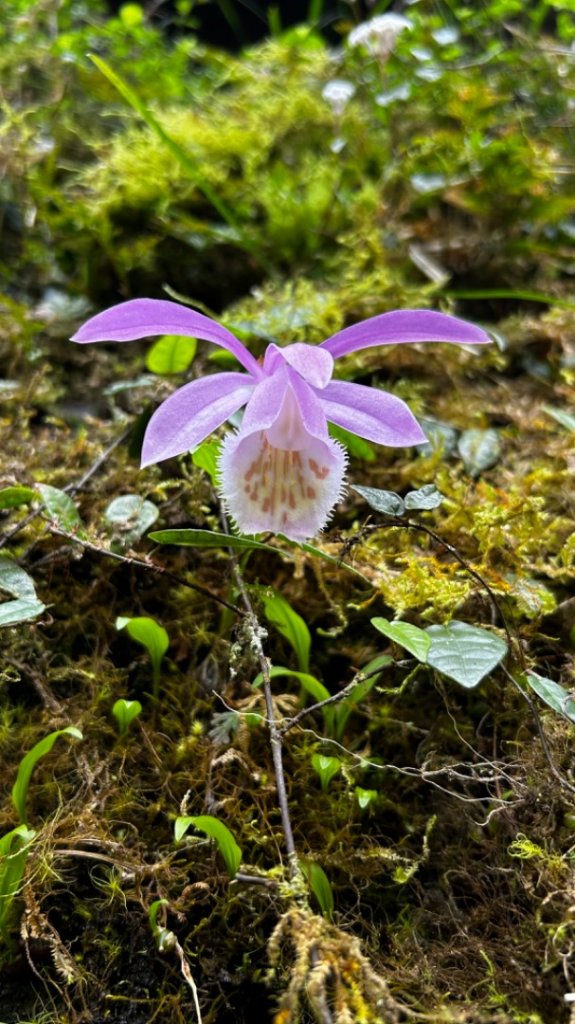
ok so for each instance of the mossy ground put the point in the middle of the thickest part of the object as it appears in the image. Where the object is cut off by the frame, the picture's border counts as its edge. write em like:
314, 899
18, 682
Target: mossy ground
453, 881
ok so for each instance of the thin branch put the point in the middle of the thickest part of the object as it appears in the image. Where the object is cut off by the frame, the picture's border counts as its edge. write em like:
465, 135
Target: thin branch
150, 566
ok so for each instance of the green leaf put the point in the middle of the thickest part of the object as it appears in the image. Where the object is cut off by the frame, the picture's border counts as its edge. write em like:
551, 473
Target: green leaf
213, 539
152, 636
191, 167
15, 581
336, 716
387, 502
14, 612
320, 886
425, 498
12, 497
309, 683
60, 507
365, 797
566, 419
28, 763
209, 539
479, 449
165, 938
280, 613
206, 458
125, 711
130, 516
215, 829
415, 640
172, 353
14, 850
554, 695
464, 653
326, 768
355, 445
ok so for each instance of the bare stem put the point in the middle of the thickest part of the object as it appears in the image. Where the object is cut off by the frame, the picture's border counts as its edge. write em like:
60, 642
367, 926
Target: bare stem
275, 730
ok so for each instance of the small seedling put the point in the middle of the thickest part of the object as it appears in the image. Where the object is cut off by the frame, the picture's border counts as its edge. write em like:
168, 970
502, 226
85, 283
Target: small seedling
125, 711
153, 637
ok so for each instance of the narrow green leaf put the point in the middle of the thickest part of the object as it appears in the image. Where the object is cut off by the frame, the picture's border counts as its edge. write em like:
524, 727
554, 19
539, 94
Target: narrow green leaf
336, 715
566, 419
59, 507
309, 683
213, 539
464, 653
215, 829
553, 694
174, 147
320, 886
125, 711
280, 613
14, 850
415, 640
28, 763
22, 610
355, 445
518, 295
13, 497
206, 458
209, 539
172, 353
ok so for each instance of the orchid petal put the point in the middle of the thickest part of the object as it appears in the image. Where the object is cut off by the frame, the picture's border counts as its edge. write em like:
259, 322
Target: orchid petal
286, 408
372, 414
404, 325
313, 363
141, 318
269, 489
192, 412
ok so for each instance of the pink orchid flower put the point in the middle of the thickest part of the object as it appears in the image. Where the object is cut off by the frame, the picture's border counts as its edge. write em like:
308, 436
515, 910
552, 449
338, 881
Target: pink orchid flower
280, 472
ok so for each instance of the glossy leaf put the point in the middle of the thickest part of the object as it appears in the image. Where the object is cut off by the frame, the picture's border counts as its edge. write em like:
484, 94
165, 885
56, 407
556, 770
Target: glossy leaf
415, 640
310, 684
320, 886
326, 767
22, 610
147, 632
206, 458
427, 497
280, 614
130, 516
13, 497
15, 581
171, 353
464, 653
553, 694
29, 762
209, 539
387, 502
14, 850
125, 711
60, 507
216, 830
